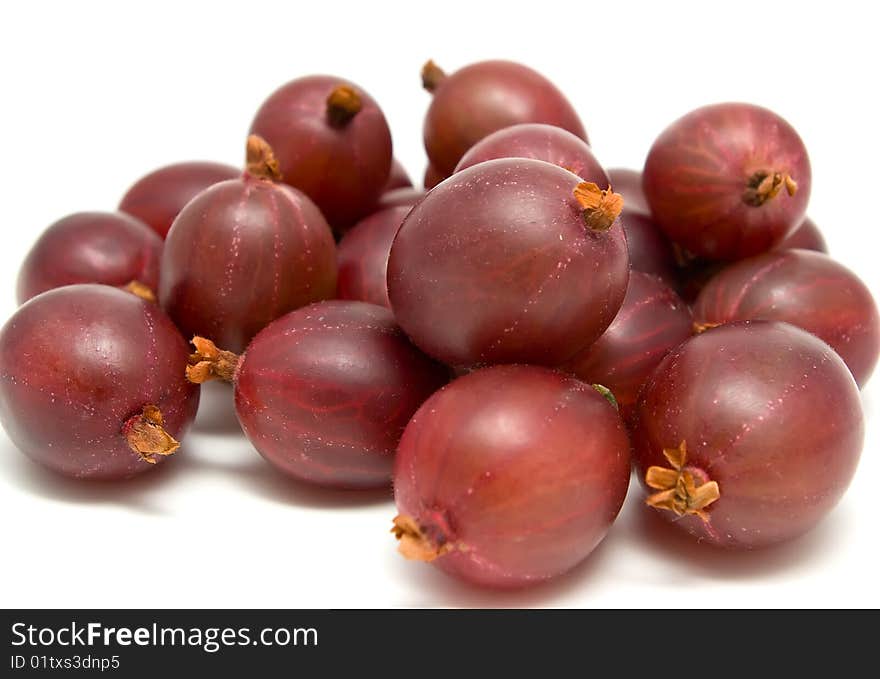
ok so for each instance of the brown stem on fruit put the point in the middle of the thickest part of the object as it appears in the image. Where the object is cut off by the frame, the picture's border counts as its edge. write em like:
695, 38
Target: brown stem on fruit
601, 206
260, 161
763, 186
343, 104
678, 489
432, 76
210, 363
141, 290
146, 436
414, 544
700, 328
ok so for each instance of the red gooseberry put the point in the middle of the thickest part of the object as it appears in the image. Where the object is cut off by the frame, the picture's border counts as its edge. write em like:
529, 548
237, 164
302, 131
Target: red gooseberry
244, 252
363, 257
805, 288
92, 382
157, 198
398, 178
93, 247
510, 476
649, 249
748, 434
484, 97
332, 142
540, 142
652, 321
806, 237
512, 260
728, 181
432, 177
324, 392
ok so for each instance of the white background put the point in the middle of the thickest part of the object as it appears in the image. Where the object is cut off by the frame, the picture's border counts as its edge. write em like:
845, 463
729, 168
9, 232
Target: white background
94, 95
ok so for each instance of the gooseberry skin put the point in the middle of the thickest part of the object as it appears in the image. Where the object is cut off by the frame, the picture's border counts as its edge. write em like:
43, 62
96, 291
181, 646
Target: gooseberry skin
806, 237
805, 288
652, 321
363, 257
703, 168
767, 411
487, 96
432, 177
112, 248
398, 177
343, 168
540, 142
75, 364
325, 392
628, 183
157, 198
649, 249
497, 265
241, 254
694, 275
520, 469
405, 197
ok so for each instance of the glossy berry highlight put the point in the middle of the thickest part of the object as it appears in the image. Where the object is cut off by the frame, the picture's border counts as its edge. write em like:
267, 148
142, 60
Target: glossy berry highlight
511, 260
804, 288
509, 476
325, 392
806, 237
157, 198
244, 252
92, 382
748, 434
728, 181
332, 143
484, 97
539, 142
111, 248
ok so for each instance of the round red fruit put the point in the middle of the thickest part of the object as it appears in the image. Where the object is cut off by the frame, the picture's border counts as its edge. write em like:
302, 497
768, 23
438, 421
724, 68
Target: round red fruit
748, 434
157, 198
652, 321
363, 257
332, 142
93, 247
728, 181
244, 252
92, 382
540, 142
807, 289
511, 260
484, 97
510, 476
325, 392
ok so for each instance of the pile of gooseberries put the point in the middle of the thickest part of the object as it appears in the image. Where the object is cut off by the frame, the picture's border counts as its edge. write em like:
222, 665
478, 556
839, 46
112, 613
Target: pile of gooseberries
501, 346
